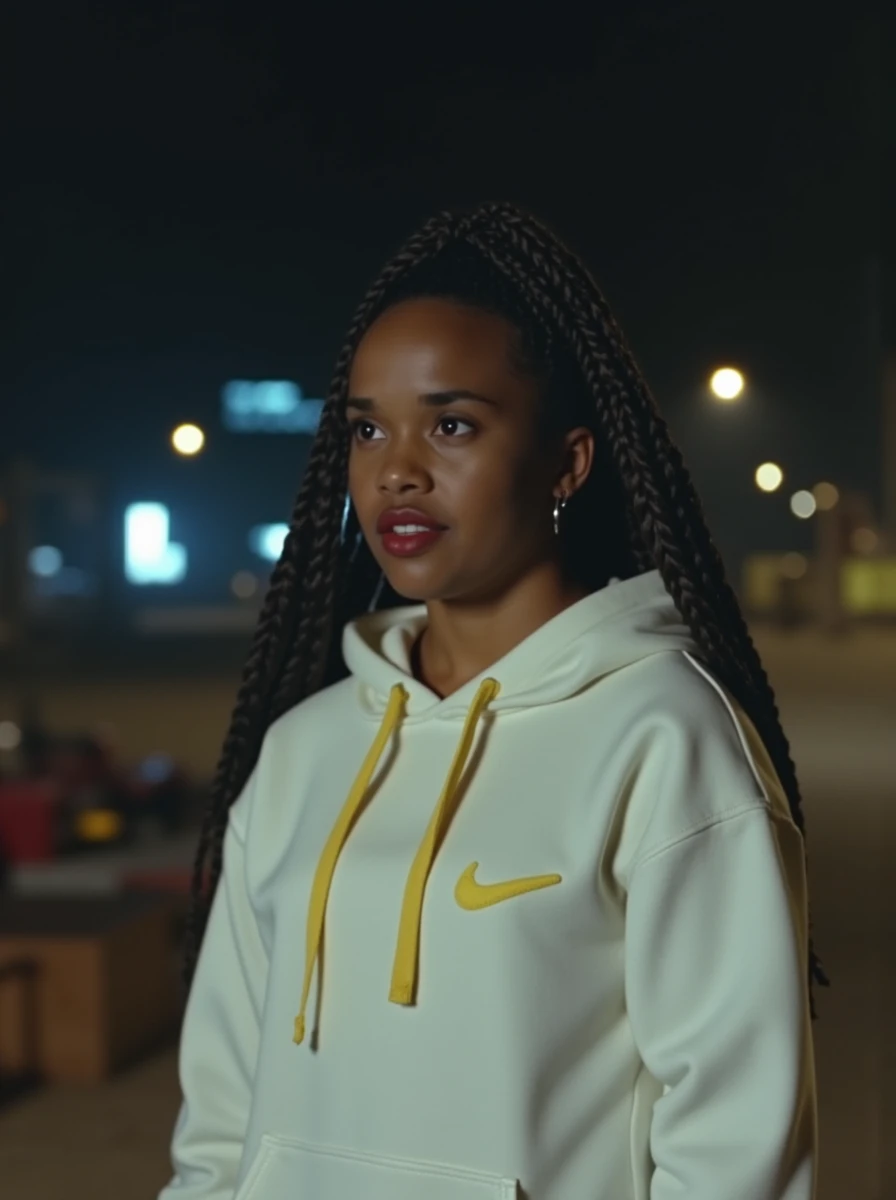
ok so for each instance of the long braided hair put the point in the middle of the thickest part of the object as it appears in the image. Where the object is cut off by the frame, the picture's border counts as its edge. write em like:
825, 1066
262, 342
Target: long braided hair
500, 258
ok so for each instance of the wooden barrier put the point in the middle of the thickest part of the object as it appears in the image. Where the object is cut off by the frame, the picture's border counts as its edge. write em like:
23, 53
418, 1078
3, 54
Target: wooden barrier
105, 986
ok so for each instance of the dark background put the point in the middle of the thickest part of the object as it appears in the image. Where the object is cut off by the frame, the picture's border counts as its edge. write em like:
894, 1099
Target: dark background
199, 191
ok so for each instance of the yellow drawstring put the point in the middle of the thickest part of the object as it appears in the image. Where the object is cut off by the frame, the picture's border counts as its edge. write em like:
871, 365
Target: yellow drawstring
323, 876
405, 965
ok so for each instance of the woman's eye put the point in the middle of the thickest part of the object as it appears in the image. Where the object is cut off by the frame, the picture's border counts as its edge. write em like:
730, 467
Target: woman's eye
364, 431
450, 426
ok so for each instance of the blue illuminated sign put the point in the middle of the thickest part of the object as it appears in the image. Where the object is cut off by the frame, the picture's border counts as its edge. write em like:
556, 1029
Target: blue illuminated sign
149, 557
268, 406
267, 541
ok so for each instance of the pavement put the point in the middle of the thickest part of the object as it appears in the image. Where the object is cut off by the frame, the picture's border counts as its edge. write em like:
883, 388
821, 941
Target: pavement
838, 702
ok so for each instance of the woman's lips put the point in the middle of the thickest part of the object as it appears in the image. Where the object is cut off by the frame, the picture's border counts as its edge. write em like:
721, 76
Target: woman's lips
416, 540
392, 517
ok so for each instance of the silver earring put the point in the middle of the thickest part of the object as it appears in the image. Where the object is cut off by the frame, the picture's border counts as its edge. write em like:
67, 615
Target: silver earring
559, 505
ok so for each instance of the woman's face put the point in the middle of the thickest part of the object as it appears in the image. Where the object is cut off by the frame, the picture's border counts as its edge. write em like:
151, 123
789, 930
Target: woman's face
444, 426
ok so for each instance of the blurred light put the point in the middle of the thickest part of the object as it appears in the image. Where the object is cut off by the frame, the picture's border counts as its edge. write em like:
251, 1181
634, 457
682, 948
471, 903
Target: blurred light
769, 477
802, 505
267, 541
72, 581
268, 406
244, 585
155, 768
68, 581
794, 566
148, 555
727, 384
99, 824
864, 540
10, 735
45, 561
188, 440
826, 496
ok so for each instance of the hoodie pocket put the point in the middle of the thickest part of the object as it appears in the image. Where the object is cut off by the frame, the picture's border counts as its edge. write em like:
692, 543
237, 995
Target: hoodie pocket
285, 1168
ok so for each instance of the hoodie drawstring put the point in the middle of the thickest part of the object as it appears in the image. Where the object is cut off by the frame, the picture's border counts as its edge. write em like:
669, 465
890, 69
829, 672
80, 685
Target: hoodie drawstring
320, 889
407, 951
406, 962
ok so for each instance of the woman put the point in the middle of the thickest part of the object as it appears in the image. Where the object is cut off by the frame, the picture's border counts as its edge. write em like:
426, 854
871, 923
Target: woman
513, 900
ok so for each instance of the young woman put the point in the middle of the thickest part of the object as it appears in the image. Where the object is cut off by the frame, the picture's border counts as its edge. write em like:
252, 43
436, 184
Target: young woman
512, 899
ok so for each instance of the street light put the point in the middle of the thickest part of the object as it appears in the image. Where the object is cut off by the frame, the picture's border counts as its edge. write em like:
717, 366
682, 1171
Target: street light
188, 440
803, 505
727, 384
769, 477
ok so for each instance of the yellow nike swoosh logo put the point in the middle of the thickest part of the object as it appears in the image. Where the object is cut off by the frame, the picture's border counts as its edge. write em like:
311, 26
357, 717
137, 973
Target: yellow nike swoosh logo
471, 895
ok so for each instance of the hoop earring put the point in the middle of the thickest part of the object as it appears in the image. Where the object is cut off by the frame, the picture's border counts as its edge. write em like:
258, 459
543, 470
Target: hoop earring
560, 503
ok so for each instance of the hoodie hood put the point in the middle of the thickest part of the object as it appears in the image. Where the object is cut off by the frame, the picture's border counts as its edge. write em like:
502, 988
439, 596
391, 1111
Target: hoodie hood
612, 628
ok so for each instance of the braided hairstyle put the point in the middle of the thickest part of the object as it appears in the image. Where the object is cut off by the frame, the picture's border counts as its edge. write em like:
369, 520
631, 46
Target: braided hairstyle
500, 259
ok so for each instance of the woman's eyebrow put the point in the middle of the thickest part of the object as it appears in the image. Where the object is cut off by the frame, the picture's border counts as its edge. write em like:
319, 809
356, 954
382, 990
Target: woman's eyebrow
433, 399
439, 399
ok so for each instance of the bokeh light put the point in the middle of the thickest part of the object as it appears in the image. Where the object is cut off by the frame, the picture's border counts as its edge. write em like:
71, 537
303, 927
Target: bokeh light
826, 496
267, 540
794, 566
188, 440
769, 477
149, 556
10, 735
45, 561
727, 384
244, 585
802, 505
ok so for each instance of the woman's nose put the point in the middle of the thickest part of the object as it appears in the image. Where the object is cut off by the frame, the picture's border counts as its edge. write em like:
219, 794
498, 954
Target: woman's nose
402, 471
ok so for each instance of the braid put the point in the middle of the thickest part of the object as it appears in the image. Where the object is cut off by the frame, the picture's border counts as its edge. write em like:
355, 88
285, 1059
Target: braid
665, 506
327, 574
289, 655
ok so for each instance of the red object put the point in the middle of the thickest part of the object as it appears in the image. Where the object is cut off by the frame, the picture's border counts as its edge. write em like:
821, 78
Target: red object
27, 820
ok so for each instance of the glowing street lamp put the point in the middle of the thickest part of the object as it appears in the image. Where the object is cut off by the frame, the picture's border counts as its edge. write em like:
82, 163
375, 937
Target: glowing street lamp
803, 505
727, 384
769, 477
188, 440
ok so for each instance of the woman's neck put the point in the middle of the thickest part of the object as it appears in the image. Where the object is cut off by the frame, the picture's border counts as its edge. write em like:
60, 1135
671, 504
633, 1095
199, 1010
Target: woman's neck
464, 637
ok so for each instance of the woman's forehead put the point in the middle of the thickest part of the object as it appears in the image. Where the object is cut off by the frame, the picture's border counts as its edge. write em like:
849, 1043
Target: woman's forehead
429, 335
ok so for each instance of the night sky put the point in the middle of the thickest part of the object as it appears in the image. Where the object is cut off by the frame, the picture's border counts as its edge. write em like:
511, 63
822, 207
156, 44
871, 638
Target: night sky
203, 190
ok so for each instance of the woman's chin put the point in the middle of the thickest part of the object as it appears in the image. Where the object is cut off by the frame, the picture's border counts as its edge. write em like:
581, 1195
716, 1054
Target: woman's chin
415, 586
413, 592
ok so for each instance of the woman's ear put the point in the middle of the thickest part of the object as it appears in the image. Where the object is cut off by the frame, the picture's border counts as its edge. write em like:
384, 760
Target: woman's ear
578, 459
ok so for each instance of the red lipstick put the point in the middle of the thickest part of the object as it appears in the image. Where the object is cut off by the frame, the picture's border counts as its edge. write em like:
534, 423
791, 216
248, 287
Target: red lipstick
407, 532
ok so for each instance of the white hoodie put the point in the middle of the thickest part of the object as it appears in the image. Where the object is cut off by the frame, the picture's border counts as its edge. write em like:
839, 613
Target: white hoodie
566, 936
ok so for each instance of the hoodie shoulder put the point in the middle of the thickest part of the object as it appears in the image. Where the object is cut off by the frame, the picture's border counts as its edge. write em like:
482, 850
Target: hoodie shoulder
312, 713
297, 741
697, 757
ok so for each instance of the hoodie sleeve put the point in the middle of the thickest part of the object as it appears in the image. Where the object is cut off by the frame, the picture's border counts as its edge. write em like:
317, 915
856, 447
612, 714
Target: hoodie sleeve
716, 962
219, 1040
